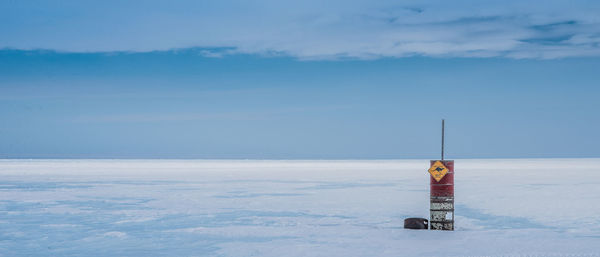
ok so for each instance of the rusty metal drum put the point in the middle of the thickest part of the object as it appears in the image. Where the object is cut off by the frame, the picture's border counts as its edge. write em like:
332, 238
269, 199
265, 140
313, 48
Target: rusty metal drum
442, 198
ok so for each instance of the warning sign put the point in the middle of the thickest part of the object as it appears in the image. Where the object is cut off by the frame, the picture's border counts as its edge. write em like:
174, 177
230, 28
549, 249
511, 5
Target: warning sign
438, 170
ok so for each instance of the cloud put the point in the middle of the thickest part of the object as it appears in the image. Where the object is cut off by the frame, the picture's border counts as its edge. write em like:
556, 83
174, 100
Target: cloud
309, 29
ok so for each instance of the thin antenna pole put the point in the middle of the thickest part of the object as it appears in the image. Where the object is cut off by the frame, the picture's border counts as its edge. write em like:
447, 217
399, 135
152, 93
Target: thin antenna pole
442, 139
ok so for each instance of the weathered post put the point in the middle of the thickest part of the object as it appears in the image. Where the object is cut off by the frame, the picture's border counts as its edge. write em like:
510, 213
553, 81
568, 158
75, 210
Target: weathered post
442, 192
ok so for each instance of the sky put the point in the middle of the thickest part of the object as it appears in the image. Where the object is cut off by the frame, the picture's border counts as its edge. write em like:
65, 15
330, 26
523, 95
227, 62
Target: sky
299, 80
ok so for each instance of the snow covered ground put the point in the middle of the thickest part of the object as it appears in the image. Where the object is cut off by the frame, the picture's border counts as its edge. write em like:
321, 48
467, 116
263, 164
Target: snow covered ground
521, 207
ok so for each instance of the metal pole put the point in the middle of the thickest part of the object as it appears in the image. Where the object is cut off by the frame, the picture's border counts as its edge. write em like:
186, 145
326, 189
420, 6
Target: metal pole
442, 139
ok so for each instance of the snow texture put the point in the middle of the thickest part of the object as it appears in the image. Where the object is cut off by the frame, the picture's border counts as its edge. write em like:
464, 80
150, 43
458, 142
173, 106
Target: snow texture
521, 207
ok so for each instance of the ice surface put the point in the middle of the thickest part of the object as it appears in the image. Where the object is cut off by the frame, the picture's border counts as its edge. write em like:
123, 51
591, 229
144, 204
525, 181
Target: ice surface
524, 207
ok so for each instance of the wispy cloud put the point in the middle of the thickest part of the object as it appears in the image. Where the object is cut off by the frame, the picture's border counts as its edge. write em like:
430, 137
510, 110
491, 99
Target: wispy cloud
310, 29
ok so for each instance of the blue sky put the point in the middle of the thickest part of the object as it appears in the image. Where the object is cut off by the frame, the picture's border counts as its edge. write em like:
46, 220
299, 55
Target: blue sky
280, 80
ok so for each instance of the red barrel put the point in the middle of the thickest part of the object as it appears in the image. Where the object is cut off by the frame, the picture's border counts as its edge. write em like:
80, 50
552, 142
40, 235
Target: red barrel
445, 187
442, 199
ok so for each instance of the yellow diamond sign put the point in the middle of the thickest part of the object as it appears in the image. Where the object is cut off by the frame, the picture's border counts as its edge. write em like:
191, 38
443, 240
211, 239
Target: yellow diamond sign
438, 170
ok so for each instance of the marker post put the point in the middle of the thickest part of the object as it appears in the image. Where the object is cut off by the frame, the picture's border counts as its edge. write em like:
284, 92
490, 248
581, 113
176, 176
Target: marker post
442, 192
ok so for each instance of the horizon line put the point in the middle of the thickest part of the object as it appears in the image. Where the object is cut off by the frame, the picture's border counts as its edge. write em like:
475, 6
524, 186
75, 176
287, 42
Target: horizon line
298, 159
